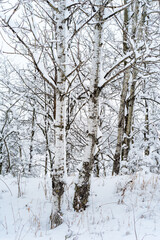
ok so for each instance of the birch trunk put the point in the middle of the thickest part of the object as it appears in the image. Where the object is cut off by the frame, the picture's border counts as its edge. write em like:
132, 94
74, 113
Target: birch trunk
130, 101
121, 115
58, 181
147, 129
32, 137
82, 188
129, 122
138, 21
146, 133
47, 126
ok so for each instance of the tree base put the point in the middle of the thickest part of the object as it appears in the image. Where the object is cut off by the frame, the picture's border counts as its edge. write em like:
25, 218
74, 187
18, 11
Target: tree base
81, 197
56, 219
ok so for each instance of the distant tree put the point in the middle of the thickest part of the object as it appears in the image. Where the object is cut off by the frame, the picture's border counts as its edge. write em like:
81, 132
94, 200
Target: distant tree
134, 40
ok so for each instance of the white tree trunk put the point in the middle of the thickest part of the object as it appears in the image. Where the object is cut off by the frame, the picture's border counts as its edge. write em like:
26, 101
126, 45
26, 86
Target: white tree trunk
137, 32
32, 138
58, 181
133, 26
83, 186
121, 115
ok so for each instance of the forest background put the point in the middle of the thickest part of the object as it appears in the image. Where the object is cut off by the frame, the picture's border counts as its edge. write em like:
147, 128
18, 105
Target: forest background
79, 92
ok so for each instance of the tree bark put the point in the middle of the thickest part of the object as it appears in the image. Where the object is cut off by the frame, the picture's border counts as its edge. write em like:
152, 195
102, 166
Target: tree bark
129, 120
82, 188
58, 180
121, 114
133, 26
138, 21
146, 133
32, 137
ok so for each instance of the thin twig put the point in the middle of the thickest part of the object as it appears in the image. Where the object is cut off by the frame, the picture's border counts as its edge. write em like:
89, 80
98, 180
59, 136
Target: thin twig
7, 187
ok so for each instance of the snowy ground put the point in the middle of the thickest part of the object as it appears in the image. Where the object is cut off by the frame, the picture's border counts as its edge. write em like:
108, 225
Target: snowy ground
121, 208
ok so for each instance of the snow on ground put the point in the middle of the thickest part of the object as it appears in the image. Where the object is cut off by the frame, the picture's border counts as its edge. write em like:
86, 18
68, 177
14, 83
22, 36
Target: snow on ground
120, 208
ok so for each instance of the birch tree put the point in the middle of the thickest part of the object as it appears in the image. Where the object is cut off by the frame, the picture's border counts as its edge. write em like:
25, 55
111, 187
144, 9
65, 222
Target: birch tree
82, 188
133, 33
116, 164
136, 35
58, 179
45, 56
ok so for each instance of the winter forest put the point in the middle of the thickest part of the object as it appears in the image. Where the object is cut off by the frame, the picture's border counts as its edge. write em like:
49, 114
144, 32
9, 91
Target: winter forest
79, 119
